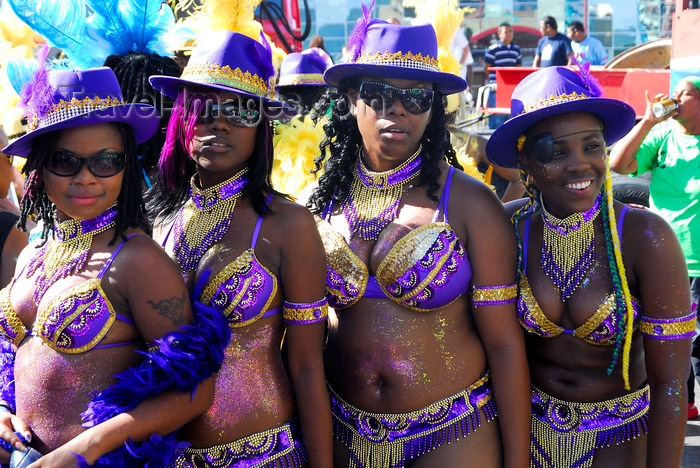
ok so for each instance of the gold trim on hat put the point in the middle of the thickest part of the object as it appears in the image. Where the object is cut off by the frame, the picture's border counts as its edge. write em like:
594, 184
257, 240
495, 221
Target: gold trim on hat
216, 74
64, 110
400, 59
301, 79
554, 99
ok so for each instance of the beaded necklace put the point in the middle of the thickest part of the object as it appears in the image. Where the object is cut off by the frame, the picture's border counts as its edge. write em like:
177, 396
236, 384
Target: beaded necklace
374, 198
205, 218
568, 247
66, 252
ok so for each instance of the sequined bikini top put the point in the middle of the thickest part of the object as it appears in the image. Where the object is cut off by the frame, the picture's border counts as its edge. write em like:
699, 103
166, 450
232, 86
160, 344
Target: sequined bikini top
73, 322
244, 289
600, 327
425, 270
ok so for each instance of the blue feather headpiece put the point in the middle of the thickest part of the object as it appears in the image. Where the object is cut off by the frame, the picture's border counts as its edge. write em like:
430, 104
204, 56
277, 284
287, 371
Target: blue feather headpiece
89, 31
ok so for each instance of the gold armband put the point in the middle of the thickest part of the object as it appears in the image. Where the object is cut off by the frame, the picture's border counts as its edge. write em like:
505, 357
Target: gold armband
306, 313
668, 329
494, 295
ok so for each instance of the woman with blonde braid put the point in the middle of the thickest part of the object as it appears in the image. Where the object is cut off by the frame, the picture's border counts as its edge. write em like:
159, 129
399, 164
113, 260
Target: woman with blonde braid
603, 291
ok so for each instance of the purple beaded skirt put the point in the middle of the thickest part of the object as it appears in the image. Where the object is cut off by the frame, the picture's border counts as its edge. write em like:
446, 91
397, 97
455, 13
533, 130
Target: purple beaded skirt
566, 434
393, 440
277, 447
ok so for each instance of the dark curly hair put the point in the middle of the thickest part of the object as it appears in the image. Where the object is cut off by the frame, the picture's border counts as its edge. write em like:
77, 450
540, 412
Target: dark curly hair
132, 71
131, 211
344, 141
176, 168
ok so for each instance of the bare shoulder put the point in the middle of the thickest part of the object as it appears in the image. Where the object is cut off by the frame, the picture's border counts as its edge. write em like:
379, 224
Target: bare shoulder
645, 231
473, 199
291, 217
142, 255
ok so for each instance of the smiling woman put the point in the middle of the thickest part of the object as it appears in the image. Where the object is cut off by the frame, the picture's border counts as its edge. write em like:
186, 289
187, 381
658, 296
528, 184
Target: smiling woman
603, 289
424, 352
77, 319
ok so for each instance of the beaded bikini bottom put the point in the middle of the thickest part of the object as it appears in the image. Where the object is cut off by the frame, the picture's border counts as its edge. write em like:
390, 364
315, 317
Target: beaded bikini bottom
392, 440
277, 447
566, 434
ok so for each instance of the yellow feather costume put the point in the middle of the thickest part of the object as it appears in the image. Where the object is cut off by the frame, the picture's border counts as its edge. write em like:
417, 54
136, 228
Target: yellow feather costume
232, 15
296, 146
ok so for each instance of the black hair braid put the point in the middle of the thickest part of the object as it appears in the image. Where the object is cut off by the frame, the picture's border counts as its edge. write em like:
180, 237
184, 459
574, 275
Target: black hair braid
130, 205
343, 141
132, 71
321, 106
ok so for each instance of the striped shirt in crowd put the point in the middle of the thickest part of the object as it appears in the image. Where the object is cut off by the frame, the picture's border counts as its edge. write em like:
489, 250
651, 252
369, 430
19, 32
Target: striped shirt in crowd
501, 55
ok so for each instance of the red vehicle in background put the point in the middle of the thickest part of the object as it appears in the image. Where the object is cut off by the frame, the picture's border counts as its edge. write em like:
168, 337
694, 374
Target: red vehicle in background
281, 21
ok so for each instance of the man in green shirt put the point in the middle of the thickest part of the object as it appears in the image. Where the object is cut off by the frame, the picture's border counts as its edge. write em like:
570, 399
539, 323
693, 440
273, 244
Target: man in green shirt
673, 157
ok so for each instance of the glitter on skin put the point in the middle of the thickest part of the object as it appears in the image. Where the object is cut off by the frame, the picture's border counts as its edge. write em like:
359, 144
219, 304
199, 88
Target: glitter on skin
252, 388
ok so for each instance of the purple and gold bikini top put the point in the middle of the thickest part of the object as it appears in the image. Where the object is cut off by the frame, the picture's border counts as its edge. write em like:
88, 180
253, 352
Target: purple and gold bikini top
425, 270
244, 289
75, 321
598, 329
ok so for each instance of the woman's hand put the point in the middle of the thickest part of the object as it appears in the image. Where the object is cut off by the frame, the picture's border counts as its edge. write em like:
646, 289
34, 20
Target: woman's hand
62, 457
9, 424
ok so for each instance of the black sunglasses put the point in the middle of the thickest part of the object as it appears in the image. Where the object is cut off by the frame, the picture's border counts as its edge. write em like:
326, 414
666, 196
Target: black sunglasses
381, 95
234, 113
66, 164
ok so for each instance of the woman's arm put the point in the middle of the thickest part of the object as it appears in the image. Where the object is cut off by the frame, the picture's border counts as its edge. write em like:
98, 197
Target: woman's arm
14, 244
151, 285
303, 275
492, 254
664, 288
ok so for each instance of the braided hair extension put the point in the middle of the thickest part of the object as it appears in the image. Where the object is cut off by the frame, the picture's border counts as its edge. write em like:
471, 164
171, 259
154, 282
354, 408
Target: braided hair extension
131, 211
132, 71
623, 297
344, 140
176, 166
522, 212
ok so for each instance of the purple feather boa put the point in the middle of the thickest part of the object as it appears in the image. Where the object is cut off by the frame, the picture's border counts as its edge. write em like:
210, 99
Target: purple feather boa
357, 37
7, 373
184, 358
589, 81
36, 96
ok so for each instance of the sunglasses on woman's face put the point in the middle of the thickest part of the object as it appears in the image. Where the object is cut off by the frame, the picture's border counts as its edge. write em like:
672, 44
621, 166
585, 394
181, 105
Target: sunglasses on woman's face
66, 164
382, 96
235, 114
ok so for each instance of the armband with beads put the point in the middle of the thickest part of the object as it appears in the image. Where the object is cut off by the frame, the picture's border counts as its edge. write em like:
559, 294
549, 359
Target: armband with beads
676, 328
305, 313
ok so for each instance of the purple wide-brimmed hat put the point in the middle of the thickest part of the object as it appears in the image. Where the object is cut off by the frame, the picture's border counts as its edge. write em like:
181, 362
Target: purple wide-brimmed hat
63, 99
554, 91
228, 61
379, 48
303, 69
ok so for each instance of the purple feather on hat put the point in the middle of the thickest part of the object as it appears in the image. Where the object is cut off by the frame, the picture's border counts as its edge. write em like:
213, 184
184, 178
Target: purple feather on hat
357, 37
37, 95
589, 81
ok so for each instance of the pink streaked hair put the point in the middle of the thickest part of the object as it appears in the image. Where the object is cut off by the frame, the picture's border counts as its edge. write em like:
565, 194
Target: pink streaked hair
180, 131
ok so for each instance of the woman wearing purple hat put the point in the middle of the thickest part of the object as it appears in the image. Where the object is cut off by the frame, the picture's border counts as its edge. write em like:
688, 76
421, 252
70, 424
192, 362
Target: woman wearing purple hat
85, 305
603, 289
251, 256
424, 345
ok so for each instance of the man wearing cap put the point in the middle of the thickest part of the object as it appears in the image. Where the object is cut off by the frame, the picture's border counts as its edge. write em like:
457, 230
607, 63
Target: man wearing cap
672, 154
